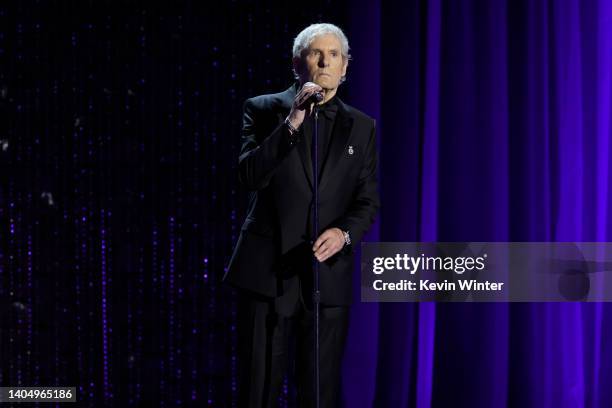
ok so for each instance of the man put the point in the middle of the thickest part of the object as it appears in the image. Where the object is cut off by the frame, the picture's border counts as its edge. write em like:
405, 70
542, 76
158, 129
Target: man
272, 261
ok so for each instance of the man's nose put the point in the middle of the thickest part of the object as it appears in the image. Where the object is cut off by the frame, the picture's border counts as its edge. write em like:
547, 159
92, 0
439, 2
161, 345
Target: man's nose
323, 61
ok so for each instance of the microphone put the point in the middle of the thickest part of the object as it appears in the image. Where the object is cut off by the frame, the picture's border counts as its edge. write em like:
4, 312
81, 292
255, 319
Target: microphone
314, 98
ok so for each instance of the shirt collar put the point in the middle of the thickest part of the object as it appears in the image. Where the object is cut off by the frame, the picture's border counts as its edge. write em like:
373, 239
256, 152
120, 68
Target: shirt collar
329, 108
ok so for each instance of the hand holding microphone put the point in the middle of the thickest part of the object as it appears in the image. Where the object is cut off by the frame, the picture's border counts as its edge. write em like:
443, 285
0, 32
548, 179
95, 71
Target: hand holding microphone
306, 98
310, 94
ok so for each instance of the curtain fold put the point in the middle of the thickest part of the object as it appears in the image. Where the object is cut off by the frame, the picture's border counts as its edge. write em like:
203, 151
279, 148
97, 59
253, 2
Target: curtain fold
494, 125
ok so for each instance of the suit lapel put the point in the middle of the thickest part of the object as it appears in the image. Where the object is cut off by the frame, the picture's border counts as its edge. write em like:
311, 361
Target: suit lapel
305, 154
287, 100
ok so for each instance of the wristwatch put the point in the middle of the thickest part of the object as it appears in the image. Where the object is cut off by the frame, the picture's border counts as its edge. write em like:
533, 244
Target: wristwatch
293, 132
290, 126
347, 237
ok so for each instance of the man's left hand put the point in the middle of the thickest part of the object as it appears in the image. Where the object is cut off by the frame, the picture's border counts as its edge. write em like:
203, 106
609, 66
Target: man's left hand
328, 244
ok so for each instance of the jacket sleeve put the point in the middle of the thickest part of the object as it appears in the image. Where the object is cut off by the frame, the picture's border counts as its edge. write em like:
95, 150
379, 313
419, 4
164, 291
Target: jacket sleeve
259, 160
364, 206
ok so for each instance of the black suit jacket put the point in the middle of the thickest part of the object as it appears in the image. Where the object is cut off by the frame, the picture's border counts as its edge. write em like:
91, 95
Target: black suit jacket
273, 244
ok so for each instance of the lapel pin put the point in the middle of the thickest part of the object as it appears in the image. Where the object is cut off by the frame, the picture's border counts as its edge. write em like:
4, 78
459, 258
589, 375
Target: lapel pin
350, 150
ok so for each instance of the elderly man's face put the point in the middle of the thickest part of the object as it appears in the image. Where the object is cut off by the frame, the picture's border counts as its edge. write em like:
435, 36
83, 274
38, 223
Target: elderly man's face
322, 62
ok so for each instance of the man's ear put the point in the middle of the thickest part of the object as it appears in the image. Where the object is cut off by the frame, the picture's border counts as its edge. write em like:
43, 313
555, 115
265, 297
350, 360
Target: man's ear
344, 66
297, 65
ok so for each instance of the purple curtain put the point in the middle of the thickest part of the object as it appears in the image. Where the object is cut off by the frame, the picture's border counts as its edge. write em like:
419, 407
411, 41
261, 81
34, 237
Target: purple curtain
493, 120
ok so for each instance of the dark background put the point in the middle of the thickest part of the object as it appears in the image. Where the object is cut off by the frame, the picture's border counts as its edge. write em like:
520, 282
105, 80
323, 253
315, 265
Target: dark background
120, 204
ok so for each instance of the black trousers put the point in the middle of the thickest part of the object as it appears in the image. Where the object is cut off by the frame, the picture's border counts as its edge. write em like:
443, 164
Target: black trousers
266, 327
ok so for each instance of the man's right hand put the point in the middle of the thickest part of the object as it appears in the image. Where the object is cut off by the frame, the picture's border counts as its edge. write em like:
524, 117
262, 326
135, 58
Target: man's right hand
300, 108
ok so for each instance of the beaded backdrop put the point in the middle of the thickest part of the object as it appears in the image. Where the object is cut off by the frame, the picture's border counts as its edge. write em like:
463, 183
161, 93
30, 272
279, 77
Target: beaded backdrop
119, 198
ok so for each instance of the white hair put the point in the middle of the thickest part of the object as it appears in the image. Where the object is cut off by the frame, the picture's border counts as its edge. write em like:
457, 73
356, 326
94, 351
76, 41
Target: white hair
307, 36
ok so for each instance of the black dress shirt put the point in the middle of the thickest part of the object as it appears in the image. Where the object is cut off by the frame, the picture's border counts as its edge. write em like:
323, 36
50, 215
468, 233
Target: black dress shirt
327, 117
